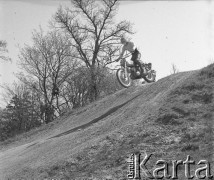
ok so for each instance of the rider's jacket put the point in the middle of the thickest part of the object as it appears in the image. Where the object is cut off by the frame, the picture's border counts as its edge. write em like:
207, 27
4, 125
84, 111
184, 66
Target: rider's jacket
129, 46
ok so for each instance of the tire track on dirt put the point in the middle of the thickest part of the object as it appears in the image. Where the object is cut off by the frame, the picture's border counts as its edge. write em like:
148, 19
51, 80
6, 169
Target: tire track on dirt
84, 126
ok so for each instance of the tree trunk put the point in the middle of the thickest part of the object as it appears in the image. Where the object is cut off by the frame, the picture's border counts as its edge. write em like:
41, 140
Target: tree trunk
93, 86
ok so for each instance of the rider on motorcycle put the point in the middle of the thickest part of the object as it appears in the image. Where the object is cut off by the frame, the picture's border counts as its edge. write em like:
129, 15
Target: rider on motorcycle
128, 46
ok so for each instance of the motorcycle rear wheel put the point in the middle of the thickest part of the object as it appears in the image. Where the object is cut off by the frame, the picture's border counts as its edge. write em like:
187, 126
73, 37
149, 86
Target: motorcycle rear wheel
150, 77
124, 81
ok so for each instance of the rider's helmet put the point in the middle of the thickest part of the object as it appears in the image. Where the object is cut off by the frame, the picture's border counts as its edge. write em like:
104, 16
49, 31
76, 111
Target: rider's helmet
123, 40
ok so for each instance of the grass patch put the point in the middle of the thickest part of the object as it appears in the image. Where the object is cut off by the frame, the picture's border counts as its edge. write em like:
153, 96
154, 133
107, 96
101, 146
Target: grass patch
187, 88
207, 72
205, 98
180, 111
190, 147
168, 119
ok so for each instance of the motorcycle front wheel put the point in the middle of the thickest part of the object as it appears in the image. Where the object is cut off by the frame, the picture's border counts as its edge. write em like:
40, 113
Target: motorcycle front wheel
123, 79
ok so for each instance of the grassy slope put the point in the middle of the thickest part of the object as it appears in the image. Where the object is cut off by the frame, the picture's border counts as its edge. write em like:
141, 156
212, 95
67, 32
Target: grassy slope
171, 118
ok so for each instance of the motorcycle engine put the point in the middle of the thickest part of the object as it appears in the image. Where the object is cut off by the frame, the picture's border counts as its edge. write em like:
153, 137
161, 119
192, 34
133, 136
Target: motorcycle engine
134, 74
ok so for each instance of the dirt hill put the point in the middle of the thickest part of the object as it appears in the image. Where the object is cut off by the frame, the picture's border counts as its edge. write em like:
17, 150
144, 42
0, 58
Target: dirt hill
171, 119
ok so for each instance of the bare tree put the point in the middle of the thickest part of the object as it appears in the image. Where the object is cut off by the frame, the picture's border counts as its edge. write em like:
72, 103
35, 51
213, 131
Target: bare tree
3, 51
174, 69
47, 64
93, 33
77, 88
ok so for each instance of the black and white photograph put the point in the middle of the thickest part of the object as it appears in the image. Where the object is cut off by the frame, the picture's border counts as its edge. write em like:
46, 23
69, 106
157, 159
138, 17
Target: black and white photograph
106, 89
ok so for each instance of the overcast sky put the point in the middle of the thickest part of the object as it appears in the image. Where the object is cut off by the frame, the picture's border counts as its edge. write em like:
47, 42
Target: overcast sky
179, 32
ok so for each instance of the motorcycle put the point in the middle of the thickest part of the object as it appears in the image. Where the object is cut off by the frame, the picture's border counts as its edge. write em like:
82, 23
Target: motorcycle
129, 72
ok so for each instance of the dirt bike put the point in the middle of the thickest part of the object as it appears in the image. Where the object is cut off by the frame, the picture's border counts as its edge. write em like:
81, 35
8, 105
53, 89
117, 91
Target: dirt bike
128, 72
